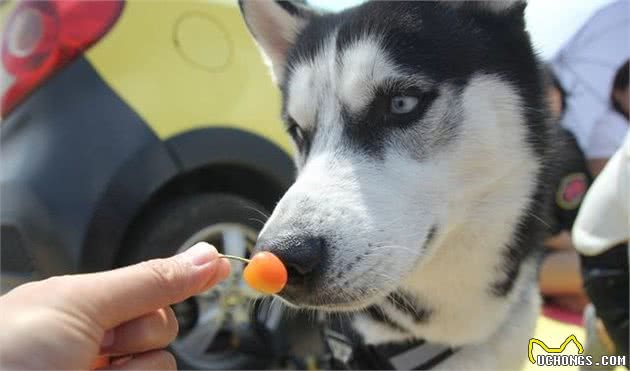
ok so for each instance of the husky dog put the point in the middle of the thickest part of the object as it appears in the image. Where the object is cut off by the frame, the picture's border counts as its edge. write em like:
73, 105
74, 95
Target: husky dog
421, 143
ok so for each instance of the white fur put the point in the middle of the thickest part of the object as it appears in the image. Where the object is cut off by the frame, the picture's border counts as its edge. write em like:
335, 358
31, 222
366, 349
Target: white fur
364, 69
301, 106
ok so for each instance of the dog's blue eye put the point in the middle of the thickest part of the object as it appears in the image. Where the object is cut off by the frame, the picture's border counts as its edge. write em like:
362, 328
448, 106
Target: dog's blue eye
403, 104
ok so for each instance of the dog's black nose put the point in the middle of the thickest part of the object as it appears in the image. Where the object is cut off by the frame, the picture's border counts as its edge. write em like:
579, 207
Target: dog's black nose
302, 255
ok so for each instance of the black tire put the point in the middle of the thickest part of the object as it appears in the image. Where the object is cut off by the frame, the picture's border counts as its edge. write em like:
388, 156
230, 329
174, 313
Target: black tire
163, 229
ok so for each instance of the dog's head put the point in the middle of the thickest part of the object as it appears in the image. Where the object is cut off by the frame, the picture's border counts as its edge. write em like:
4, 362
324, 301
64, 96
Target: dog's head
405, 116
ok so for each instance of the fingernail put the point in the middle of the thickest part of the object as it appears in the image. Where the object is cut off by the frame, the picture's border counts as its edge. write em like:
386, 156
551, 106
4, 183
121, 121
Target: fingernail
108, 339
201, 253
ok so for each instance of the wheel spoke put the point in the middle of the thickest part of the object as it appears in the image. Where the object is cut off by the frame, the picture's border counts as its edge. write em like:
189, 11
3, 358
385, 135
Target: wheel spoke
273, 315
235, 243
198, 340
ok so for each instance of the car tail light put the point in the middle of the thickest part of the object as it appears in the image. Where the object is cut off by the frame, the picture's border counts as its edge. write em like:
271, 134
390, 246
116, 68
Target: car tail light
41, 37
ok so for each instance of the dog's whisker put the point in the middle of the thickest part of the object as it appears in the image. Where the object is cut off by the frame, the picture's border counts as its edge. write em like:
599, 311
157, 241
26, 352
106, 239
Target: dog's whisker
398, 247
259, 212
257, 220
540, 219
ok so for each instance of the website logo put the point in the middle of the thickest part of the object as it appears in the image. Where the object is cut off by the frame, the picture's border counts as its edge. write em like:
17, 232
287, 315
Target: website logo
554, 356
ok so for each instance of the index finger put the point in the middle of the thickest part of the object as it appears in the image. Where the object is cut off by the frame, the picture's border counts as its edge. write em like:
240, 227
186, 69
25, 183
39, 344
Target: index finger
113, 297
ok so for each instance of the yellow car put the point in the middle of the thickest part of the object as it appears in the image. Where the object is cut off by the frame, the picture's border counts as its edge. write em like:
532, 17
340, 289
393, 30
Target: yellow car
130, 130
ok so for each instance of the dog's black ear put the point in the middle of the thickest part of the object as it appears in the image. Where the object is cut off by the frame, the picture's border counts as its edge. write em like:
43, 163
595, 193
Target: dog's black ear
275, 26
507, 12
499, 7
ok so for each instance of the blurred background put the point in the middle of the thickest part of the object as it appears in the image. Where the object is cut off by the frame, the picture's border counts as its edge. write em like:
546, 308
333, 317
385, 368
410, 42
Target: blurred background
133, 129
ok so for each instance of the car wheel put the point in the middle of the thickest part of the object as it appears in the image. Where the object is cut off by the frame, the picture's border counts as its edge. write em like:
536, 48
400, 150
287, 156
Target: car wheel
220, 328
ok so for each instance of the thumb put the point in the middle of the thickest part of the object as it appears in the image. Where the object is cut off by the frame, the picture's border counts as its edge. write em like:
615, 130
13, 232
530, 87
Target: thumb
113, 297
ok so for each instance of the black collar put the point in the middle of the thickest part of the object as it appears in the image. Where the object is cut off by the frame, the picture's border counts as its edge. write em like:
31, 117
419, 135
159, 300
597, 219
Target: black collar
348, 352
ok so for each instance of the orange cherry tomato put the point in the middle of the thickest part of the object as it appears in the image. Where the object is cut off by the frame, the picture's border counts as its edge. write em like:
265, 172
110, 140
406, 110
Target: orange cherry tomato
265, 273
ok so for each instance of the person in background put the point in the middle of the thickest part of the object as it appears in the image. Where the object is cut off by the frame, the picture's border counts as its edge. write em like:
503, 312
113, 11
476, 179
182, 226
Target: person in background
560, 280
608, 133
600, 234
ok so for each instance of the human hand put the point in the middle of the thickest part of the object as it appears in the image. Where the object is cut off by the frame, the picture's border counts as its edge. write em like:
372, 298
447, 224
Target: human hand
78, 321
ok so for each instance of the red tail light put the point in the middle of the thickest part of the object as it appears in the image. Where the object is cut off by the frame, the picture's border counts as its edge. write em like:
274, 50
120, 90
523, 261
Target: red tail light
40, 37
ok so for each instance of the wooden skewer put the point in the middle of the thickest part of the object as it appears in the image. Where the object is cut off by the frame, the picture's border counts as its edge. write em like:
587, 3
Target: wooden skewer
233, 257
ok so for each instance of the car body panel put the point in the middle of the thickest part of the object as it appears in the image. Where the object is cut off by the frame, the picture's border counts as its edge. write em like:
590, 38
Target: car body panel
149, 169
60, 149
191, 90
